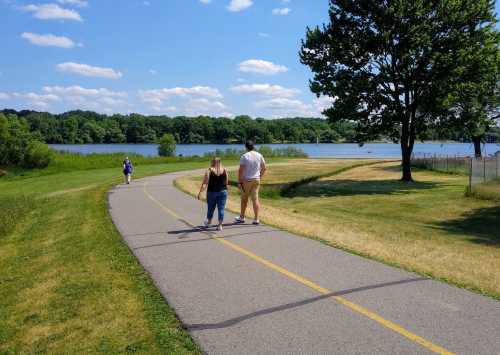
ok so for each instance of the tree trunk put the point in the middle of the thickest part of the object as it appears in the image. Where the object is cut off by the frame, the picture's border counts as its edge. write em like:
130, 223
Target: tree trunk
407, 141
477, 146
406, 155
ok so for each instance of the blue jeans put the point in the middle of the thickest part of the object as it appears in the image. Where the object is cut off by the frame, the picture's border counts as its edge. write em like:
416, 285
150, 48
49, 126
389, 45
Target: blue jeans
216, 199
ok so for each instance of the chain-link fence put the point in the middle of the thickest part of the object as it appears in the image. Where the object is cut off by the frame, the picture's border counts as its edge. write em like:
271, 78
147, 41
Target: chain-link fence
483, 170
479, 170
444, 163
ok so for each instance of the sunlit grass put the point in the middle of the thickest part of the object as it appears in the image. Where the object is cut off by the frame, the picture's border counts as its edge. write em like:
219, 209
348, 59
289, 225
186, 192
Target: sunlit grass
68, 284
71, 162
428, 226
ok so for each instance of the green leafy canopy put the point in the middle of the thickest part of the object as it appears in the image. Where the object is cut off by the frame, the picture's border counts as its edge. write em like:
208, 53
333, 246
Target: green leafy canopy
393, 66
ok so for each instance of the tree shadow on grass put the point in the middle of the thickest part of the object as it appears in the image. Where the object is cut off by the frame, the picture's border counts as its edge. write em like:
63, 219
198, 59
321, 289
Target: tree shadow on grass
481, 226
356, 187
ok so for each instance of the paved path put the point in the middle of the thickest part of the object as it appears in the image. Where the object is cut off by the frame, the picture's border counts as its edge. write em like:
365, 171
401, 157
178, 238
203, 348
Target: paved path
258, 290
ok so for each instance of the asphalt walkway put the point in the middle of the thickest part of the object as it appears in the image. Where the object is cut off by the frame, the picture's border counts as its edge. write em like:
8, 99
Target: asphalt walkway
259, 290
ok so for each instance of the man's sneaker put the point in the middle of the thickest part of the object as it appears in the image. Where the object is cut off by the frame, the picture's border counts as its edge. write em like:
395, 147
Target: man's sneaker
206, 224
239, 220
256, 222
219, 228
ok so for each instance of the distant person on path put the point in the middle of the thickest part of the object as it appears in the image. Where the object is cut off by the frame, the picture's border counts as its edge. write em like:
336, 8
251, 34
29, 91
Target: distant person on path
128, 168
216, 180
252, 170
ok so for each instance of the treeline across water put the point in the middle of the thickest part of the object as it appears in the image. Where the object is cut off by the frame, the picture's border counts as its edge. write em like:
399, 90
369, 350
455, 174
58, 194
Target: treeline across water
80, 127
86, 127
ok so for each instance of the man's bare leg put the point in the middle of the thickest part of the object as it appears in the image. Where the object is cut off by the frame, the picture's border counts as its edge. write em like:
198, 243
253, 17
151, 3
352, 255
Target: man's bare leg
256, 208
244, 204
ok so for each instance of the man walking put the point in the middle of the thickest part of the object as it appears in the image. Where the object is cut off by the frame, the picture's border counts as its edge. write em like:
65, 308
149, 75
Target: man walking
252, 170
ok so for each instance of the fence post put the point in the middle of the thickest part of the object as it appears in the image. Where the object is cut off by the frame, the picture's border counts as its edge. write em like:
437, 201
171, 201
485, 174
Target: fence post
496, 171
484, 169
470, 176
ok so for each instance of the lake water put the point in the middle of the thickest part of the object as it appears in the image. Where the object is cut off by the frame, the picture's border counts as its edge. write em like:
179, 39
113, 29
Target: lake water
373, 150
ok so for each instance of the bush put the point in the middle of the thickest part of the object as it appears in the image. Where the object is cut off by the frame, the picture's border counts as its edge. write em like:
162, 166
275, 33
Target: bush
19, 147
37, 155
167, 146
267, 152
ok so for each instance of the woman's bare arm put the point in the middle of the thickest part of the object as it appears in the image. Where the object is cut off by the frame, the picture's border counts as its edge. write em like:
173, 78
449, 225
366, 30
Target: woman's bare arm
203, 184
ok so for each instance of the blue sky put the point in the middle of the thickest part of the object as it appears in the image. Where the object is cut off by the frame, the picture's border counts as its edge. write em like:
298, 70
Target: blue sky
173, 57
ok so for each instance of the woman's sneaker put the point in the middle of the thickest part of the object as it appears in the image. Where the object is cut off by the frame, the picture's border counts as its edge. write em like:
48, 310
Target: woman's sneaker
256, 222
206, 224
219, 228
239, 220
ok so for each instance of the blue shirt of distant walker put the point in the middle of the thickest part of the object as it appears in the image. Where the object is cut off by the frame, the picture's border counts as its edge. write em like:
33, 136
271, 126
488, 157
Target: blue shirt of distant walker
128, 168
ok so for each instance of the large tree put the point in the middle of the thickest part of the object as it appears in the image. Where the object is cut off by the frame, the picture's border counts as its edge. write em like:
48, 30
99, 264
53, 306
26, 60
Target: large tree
390, 65
476, 96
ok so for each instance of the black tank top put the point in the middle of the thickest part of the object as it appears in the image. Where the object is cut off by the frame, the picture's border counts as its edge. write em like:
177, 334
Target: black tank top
217, 183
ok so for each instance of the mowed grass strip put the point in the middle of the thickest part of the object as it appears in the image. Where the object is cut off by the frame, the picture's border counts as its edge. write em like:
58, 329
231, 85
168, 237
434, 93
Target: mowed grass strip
428, 226
68, 284
280, 177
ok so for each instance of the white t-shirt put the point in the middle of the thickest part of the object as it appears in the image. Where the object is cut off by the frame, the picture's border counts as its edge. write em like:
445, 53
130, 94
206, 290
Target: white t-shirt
252, 161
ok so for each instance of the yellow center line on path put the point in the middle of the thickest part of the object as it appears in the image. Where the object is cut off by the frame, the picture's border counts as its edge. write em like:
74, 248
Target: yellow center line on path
353, 306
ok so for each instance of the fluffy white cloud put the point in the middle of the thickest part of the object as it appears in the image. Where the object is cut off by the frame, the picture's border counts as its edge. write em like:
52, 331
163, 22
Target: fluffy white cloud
100, 99
52, 12
48, 40
263, 34
64, 98
158, 96
79, 3
281, 11
284, 107
4, 96
239, 5
36, 97
193, 101
87, 70
260, 66
282, 103
78, 91
205, 1
322, 103
266, 90
205, 106
38, 101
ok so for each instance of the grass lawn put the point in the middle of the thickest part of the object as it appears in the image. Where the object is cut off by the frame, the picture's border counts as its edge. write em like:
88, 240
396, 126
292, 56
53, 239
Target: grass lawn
68, 284
428, 226
488, 191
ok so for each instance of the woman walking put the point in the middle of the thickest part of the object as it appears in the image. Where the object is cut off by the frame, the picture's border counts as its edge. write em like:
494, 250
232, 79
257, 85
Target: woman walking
127, 170
215, 180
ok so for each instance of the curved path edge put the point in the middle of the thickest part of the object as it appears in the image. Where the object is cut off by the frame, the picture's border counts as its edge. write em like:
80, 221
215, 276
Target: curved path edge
259, 290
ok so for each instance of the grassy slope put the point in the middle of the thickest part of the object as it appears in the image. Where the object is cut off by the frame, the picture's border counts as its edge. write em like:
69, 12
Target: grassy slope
428, 226
67, 283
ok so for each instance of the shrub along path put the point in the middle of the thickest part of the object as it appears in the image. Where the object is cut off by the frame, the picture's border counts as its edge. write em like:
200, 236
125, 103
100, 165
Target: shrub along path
256, 289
